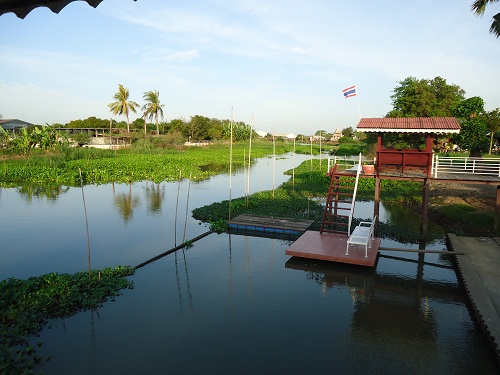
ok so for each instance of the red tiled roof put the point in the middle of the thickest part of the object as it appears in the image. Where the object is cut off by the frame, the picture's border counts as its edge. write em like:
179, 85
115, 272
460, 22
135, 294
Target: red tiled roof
409, 125
22, 7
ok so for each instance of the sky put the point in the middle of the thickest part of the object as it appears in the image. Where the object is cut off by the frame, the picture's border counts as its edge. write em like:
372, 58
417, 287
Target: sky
278, 65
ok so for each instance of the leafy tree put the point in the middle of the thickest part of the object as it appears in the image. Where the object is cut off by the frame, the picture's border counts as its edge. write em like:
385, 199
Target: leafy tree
197, 127
91, 122
178, 125
348, 132
492, 121
153, 108
473, 134
216, 129
425, 98
122, 105
479, 7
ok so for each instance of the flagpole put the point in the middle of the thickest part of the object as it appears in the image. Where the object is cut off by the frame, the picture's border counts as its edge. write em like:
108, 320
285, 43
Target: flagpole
357, 97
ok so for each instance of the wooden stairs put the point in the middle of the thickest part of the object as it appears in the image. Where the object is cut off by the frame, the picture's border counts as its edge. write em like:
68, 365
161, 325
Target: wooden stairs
339, 207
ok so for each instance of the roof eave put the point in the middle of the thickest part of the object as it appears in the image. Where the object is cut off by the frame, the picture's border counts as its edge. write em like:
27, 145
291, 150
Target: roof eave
435, 131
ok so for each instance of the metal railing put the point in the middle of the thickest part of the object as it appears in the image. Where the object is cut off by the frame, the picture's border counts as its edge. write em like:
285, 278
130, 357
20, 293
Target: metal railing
348, 162
466, 165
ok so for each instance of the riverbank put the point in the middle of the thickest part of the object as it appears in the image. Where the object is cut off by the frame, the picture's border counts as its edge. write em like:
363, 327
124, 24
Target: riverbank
463, 209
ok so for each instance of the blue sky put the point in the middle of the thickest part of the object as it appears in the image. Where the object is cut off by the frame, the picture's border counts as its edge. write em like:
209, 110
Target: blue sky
283, 62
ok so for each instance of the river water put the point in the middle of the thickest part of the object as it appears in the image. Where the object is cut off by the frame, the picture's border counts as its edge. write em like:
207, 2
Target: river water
232, 303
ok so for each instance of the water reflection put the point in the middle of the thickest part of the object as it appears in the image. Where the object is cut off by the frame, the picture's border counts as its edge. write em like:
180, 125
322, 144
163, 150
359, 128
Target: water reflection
126, 203
398, 318
50, 192
154, 194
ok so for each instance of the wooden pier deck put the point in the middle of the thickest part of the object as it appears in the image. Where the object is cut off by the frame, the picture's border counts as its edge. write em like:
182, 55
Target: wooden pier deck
332, 247
269, 224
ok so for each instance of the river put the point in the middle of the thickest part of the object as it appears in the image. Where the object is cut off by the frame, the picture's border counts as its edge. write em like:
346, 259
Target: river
232, 303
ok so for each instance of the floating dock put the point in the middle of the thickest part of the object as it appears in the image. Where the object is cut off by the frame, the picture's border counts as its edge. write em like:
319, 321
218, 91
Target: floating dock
332, 247
277, 225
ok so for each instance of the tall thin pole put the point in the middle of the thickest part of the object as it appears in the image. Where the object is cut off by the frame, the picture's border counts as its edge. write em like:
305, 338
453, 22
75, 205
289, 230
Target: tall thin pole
86, 220
249, 158
274, 161
320, 139
293, 170
187, 208
176, 207
312, 153
357, 97
230, 162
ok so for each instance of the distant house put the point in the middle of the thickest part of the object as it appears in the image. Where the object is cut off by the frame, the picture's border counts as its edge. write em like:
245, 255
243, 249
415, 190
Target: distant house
261, 133
14, 125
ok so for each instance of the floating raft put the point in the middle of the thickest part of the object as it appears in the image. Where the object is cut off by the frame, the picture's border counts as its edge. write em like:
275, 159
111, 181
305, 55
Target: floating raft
266, 224
332, 247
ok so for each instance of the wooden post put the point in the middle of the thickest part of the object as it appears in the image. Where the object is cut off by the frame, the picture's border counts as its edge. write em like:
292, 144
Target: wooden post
376, 200
424, 220
497, 209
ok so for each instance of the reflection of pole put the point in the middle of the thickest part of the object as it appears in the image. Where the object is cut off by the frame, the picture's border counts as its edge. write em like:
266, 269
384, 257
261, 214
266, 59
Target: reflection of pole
188, 284
179, 291
86, 219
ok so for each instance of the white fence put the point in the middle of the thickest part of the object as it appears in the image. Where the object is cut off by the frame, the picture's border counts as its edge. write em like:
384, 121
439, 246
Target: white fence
440, 164
467, 165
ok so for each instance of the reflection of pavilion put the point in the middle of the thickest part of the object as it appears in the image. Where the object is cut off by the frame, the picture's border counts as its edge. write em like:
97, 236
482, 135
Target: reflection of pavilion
389, 310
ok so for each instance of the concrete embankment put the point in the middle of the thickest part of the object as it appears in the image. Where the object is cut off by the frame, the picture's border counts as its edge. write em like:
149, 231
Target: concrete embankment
479, 269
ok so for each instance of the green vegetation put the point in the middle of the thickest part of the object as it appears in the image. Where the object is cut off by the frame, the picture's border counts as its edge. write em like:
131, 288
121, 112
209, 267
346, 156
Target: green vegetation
26, 305
130, 165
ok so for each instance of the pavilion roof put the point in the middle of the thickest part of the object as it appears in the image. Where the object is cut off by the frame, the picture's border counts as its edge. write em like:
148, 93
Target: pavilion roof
437, 125
22, 7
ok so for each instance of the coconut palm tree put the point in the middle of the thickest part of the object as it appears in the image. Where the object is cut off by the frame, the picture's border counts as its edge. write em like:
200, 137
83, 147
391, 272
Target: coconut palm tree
122, 105
479, 6
153, 109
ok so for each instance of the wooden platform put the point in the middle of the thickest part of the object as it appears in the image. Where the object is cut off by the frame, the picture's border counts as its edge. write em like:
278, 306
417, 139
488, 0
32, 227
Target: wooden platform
332, 247
269, 224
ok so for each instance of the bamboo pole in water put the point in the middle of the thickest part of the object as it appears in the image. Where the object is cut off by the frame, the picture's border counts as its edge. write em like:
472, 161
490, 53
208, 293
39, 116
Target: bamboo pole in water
249, 158
312, 153
176, 207
293, 169
274, 161
184, 244
86, 219
230, 162
187, 209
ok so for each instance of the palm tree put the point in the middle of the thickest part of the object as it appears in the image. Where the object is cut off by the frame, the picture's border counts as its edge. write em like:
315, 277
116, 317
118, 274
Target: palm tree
479, 6
153, 108
123, 105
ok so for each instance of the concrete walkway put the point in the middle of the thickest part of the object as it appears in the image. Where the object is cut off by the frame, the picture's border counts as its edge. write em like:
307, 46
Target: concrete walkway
479, 269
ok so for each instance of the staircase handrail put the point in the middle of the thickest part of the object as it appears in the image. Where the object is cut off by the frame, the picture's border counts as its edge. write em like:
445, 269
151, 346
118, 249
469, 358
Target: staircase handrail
351, 214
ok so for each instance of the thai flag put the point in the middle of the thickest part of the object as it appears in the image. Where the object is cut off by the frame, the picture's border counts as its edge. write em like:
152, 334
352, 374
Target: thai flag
350, 91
